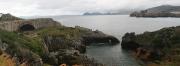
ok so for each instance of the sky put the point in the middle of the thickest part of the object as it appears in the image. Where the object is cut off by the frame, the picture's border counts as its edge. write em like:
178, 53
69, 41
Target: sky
75, 7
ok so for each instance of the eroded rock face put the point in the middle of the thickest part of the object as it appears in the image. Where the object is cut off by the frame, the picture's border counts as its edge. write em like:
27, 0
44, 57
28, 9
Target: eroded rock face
128, 42
154, 46
55, 43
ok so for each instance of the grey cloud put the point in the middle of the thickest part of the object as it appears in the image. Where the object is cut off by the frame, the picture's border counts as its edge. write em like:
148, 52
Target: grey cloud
67, 7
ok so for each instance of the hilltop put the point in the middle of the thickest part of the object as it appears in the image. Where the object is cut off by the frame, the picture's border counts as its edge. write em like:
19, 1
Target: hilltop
8, 17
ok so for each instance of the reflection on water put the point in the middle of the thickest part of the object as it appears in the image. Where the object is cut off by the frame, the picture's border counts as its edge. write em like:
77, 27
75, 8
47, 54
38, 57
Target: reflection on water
111, 55
116, 25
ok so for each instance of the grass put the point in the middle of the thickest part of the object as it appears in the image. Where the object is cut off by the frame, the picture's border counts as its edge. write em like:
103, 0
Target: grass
16, 41
5, 61
66, 32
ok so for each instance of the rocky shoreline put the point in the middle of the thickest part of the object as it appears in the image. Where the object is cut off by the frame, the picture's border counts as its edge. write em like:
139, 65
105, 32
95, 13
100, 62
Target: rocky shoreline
160, 14
50, 46
158, 48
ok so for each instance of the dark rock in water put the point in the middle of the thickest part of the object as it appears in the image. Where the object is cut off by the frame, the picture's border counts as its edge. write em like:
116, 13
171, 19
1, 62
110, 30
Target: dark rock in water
98, 37
128, 42
82, 49
130, 45
109, 40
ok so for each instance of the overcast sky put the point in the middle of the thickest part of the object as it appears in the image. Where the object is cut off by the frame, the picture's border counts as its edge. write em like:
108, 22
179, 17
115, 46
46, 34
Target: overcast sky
74, 7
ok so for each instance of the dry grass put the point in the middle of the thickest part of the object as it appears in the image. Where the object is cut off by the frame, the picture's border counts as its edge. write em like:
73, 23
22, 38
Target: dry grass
6, 61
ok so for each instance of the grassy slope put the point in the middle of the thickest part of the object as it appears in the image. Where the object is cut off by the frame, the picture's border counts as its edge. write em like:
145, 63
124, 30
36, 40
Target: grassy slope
16, 40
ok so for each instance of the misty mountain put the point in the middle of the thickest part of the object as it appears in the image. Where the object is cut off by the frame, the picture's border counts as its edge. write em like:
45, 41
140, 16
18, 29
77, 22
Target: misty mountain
164, 8
113, 12
159, 11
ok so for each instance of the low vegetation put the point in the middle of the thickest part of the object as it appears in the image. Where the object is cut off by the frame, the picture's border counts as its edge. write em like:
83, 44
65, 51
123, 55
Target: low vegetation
161, 47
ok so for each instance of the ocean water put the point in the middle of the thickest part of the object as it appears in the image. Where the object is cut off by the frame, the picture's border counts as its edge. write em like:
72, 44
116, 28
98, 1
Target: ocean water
116, 25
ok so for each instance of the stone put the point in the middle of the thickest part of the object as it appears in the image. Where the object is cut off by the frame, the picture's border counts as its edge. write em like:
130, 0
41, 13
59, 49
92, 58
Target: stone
12, 23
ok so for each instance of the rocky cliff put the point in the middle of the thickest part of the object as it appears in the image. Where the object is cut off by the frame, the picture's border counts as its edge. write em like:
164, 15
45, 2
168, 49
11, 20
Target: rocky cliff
53, 45
160, 48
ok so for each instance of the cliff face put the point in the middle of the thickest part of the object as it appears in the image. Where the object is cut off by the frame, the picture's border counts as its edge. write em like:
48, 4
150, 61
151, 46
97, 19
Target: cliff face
160, 11
160, 47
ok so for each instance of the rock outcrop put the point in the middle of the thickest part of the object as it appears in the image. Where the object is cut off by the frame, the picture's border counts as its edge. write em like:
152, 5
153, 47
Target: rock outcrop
160, 47
89, 37
128, 42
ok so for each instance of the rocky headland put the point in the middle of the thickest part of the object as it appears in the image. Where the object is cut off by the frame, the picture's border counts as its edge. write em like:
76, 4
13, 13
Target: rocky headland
158, 48
49, 45
160, 11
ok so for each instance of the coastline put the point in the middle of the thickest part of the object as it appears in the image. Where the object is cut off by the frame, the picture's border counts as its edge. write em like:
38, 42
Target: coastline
50, 45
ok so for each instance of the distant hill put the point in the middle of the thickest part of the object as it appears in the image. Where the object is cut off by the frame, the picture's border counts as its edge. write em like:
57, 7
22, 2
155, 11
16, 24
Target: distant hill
164, 8
116, 12
98, 13
93, 13
160, 11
